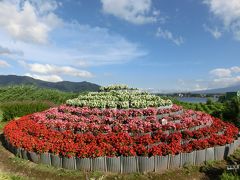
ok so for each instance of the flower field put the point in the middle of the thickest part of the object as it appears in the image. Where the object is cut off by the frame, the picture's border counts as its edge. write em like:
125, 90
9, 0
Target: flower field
73, 132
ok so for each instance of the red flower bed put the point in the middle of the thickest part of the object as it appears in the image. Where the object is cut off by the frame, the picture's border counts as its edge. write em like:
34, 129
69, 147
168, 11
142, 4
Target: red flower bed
36, 133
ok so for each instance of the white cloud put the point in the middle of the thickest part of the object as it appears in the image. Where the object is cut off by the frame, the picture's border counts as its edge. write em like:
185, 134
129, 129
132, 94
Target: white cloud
50, 78
188, 85
165, 34
4, 50
7, 51
199, 87
225, 82
220, 78
221, 72
53, 69
225, 72
83, 46
235, 69
4, 64
215, 32
223, 77
137, 12
28, 21
156, 12
44, 6
66, 46
228, 11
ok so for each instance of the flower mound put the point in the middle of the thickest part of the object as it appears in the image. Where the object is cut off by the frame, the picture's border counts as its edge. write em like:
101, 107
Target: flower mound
83, 132
102, 129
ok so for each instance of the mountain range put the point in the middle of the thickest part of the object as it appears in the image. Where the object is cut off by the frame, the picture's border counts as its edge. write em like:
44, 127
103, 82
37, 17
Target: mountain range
8, 80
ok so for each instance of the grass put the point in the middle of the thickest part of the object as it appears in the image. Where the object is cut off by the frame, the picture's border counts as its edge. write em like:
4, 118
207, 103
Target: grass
2, 124
234, 175
188, 172
230, 176
4, 176
49, 171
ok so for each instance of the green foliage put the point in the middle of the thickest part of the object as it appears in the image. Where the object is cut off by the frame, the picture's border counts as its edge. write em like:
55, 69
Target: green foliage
215, 109
17, 109
2, 125
209, 101
4, 176
33, 93
229, 176
228, 110
232, 110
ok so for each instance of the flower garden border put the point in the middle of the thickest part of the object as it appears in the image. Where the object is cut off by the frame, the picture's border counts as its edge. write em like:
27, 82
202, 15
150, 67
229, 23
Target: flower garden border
131, 164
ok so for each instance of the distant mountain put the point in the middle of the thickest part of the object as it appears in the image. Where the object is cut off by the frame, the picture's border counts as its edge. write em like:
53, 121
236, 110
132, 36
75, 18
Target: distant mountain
220, 90
6, 80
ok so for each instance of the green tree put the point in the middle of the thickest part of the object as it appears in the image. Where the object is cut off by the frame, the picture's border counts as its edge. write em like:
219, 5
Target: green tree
209, 101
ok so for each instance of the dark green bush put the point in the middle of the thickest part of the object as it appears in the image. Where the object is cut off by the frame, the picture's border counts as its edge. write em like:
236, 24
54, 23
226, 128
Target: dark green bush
15, 109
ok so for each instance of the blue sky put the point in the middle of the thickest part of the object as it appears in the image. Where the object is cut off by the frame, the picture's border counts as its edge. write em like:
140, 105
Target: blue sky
150, 44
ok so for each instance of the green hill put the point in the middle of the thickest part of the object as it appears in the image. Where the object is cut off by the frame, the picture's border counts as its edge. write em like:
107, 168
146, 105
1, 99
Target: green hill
67, 86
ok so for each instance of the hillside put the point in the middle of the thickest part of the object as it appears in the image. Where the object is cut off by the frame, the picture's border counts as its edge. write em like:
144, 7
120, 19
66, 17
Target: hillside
33, 93
67, 86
